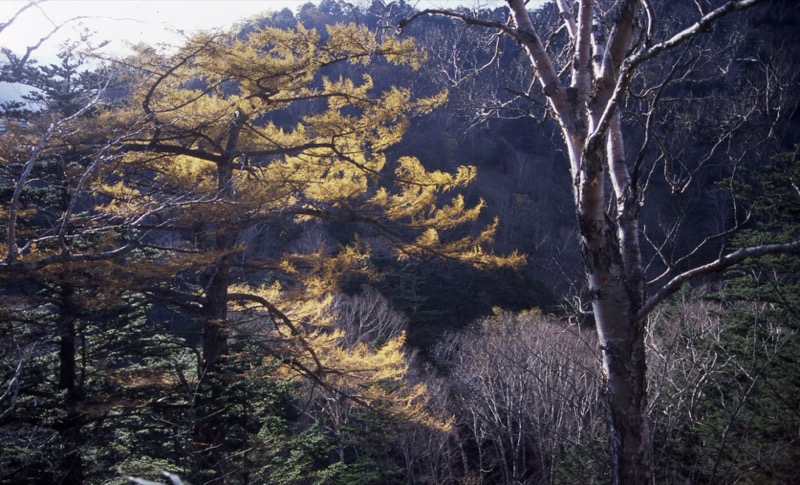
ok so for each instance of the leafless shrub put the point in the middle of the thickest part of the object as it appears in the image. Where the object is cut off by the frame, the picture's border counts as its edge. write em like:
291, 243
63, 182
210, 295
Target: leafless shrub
367, 318
704, 388
525, 392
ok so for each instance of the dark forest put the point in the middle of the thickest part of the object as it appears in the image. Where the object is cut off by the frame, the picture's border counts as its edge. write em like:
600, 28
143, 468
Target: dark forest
370, 243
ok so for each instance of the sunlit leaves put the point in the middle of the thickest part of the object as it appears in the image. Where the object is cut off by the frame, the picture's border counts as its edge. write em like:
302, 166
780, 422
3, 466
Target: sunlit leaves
123, 199
344, 91
468, 249
350, 40
373, 375
327, 160
225, 150
188, 172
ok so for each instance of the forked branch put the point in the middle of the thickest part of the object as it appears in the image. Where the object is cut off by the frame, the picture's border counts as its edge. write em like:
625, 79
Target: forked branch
630, 64
716, 266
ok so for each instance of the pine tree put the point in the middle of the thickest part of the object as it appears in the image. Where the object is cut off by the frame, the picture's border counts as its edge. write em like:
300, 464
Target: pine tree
194, 190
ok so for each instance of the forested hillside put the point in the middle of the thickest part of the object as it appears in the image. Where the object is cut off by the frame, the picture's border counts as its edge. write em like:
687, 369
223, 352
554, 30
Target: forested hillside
370, 243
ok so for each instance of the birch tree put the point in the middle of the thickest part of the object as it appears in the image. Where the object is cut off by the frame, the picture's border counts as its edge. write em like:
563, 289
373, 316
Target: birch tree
586, 87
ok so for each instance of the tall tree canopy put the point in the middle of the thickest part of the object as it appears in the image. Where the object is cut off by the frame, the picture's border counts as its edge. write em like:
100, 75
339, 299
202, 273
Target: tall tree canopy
196, 180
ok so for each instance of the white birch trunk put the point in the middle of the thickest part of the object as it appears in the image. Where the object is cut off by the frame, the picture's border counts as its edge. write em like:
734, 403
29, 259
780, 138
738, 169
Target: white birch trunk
610, 248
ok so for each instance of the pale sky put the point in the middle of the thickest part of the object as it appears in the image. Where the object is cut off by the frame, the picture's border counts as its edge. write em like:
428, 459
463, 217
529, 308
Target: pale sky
124, 22
151, 21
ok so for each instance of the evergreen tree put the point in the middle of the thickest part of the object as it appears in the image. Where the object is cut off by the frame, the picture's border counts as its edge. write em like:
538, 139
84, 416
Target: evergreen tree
186, 210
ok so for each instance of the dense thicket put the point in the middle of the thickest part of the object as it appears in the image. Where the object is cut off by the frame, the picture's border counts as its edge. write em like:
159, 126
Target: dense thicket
269, 256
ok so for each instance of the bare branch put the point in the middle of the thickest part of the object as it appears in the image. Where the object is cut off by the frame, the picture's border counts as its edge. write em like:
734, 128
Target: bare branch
18, 267
582, 65
716, 266
630, 63
548, 77
23, 178
569, 19
16, 65
279, 316
13, 18
464, 18
12, 389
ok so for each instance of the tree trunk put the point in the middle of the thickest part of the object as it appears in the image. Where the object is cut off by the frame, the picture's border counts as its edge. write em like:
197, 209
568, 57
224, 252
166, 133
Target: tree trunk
210, 427
215, 331
209, 430
621, 336
66, 340
610, 249
69, 425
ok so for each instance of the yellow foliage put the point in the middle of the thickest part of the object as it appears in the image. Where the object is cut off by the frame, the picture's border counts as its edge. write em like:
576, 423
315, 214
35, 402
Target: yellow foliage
124, 198
469, 250
344, 92
374, 375
231, 133
189, 172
